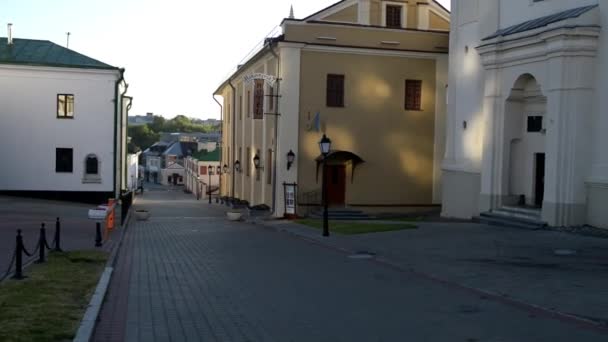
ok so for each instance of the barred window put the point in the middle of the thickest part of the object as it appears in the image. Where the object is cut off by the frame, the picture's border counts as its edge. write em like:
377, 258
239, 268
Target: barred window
393, 16
413, 95
335, 90
258, 100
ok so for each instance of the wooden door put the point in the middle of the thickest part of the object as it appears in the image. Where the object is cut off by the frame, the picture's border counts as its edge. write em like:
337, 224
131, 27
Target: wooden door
336, 185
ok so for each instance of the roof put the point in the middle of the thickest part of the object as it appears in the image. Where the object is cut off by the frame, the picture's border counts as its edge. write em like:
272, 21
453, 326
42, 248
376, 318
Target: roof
207, 156
46, 53
541, 22
181, 149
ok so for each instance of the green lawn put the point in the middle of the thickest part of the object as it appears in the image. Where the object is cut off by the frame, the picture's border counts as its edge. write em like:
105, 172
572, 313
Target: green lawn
49, 304
351, 228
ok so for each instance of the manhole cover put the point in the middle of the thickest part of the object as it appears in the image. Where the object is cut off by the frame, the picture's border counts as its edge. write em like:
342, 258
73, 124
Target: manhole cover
362, 255
564, 252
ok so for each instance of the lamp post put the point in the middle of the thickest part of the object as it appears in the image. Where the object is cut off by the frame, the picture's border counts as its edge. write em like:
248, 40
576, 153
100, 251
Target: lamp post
209, 172
325, 147
219, 184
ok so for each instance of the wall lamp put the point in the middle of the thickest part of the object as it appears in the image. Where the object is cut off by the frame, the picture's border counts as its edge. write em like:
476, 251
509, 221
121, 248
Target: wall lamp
237, 166
291, 157
257, 163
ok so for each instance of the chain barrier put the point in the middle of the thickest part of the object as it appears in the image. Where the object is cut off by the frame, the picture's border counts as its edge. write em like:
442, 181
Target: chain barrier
10, 266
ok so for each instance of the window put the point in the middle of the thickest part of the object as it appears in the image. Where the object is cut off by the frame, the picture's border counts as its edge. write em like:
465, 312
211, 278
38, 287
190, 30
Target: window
91, 165
271, 99
335, 90
393, 16
228, 114
248, 162
258, 100
535, 123
241, 107
248, 103
65, 106
203, 170
64, 160
269, 167
413, 95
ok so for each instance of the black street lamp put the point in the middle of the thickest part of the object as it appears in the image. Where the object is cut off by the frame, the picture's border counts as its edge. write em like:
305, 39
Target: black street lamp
325, 147
237, 166
225, 168
219, 184
256, 162
209, 172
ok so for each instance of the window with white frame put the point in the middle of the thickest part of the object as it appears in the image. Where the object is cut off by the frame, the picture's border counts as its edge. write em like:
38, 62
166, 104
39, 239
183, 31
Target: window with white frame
394, 14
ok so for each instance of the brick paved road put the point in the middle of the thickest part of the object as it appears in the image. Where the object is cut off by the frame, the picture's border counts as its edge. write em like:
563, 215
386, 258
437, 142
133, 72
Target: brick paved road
195, 277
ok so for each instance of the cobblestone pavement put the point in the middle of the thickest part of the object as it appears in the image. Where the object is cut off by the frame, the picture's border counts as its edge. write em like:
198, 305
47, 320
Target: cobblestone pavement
193, 276
515, 263
27, 214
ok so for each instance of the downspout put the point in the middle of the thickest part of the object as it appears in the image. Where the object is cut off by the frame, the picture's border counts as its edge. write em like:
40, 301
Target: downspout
123, 137
116, 89
276, 132
233, 134
222, 137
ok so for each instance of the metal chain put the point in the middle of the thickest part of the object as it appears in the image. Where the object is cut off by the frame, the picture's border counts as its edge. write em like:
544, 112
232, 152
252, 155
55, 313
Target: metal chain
52, 243
10, 266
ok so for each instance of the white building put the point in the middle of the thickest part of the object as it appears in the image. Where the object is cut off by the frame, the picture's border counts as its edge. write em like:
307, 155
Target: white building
528, 113
173, 174
63, 132
202, 174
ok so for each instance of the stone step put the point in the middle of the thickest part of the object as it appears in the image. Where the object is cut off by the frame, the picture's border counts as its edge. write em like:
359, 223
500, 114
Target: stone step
506, 213
510, 221
341, 214
522, 210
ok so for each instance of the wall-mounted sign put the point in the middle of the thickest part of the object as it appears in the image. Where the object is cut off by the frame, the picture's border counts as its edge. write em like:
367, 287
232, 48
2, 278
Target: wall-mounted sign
269, 79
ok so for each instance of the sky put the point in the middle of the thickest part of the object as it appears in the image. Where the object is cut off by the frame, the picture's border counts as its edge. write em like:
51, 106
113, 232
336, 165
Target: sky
176, 53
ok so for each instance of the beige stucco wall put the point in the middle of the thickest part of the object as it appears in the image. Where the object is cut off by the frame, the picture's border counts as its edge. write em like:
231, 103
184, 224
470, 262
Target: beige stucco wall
349, 14
366, 37
437, 23
257, 134
396, 144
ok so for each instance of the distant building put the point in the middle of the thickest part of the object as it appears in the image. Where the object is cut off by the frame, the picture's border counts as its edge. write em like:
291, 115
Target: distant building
64, 119
202, 176
140, 120
202, 137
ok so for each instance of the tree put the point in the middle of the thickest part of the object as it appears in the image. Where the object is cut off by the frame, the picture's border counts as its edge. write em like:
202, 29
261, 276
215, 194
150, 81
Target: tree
142, 136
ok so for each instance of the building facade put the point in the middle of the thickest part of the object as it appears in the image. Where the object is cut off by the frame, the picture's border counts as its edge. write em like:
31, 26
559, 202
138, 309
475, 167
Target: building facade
203, 172
527, 112
64, 123
369, 74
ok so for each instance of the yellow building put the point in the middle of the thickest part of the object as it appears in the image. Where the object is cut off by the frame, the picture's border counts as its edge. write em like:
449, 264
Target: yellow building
372, 76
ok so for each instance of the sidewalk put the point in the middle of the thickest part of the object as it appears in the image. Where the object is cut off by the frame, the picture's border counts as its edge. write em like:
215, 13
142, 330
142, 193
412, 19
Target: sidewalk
512, 263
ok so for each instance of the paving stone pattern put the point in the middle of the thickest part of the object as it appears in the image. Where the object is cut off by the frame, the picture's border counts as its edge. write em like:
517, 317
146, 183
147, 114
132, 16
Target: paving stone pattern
196, 277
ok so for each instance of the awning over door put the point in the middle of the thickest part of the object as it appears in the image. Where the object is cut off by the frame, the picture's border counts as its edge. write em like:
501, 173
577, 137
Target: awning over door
340, 157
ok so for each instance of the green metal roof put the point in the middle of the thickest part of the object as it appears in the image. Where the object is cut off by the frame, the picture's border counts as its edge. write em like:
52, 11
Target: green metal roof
206, 156
45, 53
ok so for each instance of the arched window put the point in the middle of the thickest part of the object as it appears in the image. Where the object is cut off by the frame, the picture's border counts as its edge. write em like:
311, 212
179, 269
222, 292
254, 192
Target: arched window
92, 165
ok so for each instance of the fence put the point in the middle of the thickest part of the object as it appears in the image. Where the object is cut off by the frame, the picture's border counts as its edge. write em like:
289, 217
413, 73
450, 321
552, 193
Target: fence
22, 256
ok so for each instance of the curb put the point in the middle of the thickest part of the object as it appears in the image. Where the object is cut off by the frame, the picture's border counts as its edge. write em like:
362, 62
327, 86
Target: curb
576, 320
87, 325
89, 321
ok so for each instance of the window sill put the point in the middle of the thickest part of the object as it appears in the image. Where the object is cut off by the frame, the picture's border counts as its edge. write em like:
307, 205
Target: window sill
65, 117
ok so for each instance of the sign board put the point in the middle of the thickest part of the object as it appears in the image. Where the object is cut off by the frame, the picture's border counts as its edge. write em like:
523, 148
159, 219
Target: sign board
290, 199
269, 79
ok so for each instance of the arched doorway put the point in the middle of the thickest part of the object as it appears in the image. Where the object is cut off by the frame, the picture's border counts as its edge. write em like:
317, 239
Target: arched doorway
524, 134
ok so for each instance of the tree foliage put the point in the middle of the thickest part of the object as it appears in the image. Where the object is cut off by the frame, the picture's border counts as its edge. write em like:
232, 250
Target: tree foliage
146, 135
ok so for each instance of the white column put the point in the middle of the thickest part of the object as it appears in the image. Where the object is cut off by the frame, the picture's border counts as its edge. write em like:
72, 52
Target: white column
364, 12
288, 122
423, 16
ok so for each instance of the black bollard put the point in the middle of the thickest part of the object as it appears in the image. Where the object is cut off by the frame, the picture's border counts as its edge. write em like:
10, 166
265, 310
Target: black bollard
41, 245
98, 238
58, 236
19, 256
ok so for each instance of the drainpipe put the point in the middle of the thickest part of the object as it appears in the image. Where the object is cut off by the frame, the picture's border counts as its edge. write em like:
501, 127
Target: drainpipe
233, 132
222, 136
276, 132
116, 103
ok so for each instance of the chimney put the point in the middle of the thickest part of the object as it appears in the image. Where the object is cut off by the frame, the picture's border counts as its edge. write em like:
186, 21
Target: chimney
10, 34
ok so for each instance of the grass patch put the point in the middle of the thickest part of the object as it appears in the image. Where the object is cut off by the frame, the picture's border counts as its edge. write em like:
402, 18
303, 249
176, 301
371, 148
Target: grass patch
49, 304
351, 228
